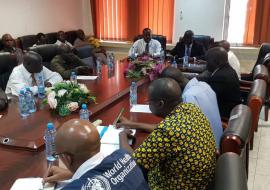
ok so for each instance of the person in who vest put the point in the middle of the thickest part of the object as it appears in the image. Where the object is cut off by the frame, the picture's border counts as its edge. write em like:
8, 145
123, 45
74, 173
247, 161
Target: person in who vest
78, 146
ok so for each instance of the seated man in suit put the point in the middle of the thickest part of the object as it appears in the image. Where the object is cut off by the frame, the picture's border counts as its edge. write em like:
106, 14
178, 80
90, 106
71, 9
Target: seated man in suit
66, 62
26, 75
200, 94
78, 145
233, 60
9, 46
3, 100
41, 39
81, 40
187, 46
61, 39
180, 151
146, 45
223, 80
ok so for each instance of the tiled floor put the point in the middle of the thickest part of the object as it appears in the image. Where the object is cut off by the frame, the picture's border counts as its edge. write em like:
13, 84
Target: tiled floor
259, 167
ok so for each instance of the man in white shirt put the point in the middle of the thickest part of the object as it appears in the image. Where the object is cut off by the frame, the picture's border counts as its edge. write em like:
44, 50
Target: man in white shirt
78, 146
26, 75
61, 39
146, 45
233, 60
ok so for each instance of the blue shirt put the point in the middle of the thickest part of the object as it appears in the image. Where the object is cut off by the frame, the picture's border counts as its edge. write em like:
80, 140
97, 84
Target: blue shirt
201, 94
118, 171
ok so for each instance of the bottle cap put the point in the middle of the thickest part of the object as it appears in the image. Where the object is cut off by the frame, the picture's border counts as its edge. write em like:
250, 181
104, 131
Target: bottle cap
27, 88
84, 106
133, 83
72, 73
50, 126
22, 91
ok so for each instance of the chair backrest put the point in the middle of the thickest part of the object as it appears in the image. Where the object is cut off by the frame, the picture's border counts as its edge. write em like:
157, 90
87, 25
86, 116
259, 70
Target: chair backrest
204, 40
264, 49
255, 101
51, 37
47, 52
71, 36
235, 136
230, 173
85, 51
7, 63
27, 41
266, 61
261, 72
160, 38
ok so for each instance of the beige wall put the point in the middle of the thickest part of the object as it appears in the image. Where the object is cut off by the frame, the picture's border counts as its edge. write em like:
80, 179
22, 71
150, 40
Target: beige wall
23, 17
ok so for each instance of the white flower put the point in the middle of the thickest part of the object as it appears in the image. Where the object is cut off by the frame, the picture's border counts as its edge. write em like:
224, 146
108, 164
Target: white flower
61, 92
84, 88
52, 102
72, 106
48, 89
51, 95
68, 81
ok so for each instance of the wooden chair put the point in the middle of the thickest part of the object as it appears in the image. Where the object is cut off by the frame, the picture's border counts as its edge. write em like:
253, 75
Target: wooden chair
235, 137
230, 173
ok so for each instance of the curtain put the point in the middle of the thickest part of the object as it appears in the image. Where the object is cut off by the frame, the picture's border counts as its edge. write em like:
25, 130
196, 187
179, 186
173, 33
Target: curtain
257, 28
124, 19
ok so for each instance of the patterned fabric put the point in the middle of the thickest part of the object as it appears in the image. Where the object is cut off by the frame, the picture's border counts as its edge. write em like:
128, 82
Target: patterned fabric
180, 152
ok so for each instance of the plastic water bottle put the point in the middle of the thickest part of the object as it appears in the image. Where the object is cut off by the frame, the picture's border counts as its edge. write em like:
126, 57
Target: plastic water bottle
49, 138
133, 94
41, 87
110, 61
84, 113
98, 67
30, 100
185, 58
174, 63
73, 77
162, 56
23, 105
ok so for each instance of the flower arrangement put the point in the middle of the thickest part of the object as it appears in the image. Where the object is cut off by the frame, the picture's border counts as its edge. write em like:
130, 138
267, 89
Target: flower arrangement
144, 66
94, 41
66, 97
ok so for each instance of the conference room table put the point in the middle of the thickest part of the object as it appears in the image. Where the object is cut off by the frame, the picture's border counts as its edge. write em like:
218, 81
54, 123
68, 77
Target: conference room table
23, 154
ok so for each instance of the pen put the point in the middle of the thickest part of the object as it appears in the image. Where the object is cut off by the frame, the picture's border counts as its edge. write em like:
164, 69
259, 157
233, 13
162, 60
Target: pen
118, 117
47, 173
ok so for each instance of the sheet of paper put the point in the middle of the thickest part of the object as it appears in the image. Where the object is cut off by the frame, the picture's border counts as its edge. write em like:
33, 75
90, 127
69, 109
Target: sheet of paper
31, 184
107, 149
140, 108
81, 77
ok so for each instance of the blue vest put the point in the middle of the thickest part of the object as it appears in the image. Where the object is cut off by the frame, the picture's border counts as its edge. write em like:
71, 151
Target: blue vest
117, 171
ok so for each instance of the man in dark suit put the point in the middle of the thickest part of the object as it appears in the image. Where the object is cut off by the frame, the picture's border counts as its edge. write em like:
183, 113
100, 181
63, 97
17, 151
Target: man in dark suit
223, 80
188, 46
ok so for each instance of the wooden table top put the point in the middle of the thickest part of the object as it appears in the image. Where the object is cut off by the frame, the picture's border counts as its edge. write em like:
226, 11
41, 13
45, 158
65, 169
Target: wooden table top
112, 94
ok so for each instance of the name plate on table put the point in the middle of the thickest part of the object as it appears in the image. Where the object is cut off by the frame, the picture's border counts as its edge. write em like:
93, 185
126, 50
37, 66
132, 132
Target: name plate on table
21, 144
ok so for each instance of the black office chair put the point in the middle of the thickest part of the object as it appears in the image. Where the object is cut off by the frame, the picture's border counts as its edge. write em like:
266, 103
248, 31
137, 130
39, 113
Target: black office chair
230, 173
27, 41
7, 63
47, 52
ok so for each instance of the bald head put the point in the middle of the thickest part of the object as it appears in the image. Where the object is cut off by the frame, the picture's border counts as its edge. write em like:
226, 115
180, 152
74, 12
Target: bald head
164, 94
225, 44
79, 139
216, 57
32, 62
176, 74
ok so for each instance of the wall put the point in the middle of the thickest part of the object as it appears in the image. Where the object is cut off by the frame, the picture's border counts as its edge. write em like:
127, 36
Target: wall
23, 17
201, 16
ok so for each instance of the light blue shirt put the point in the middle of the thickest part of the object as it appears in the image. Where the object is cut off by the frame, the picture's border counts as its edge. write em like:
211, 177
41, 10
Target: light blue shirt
201, 94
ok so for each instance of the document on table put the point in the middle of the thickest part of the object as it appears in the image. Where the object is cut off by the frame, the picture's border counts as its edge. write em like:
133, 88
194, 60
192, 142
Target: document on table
110, 138
31, 184
81, 77
140, 108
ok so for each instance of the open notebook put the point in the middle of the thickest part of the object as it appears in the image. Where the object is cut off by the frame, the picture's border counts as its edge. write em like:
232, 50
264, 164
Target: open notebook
110, 138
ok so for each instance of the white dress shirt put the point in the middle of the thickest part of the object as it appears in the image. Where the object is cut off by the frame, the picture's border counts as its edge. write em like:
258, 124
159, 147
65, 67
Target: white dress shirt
138, 48
21, 78
66, 43
234, 63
